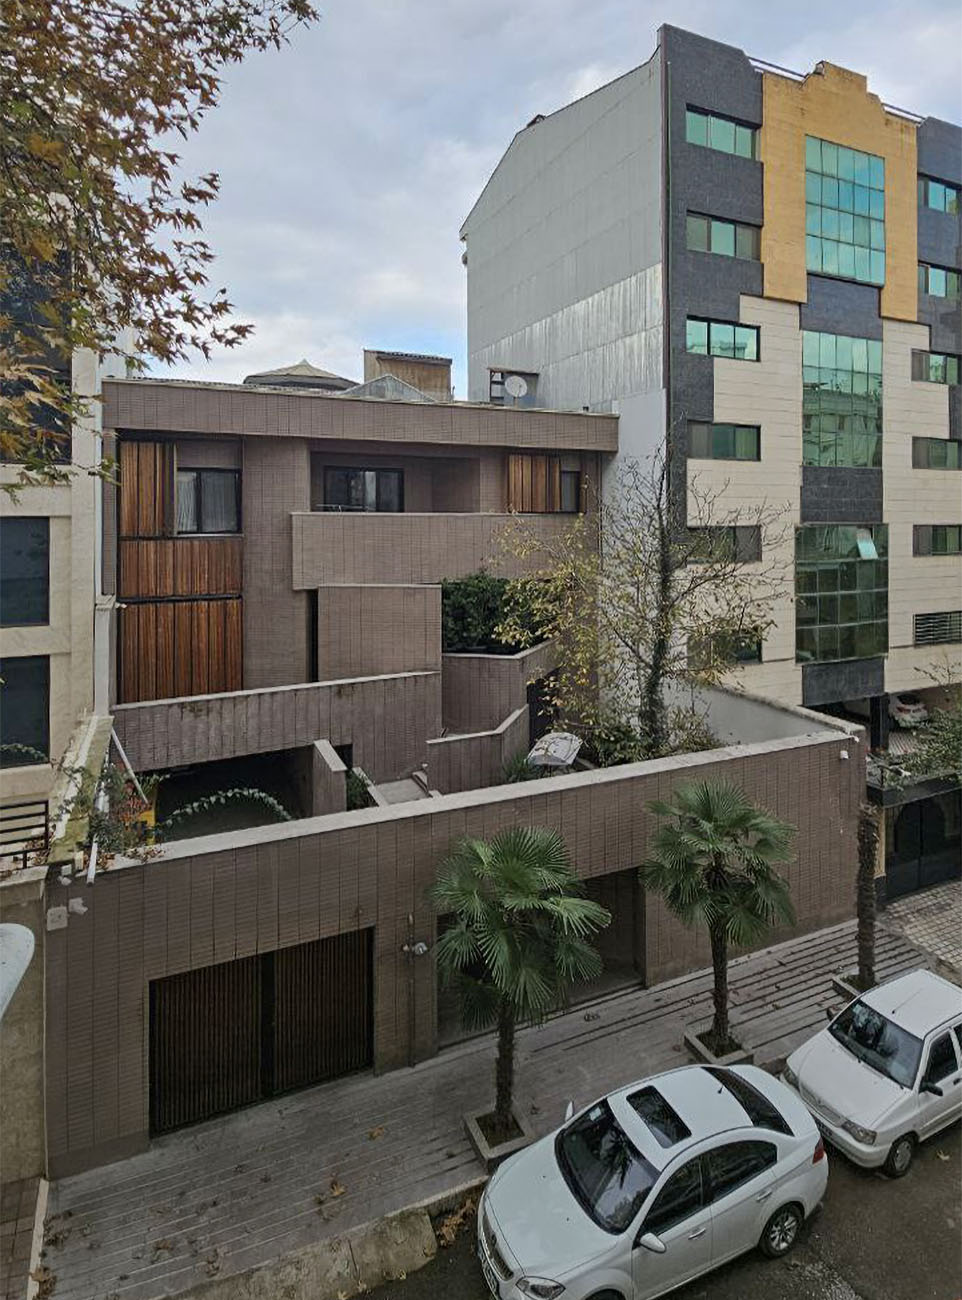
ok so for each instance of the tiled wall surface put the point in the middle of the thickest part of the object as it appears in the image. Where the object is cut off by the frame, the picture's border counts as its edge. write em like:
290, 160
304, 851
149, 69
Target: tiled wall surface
388, 720
473, 762
234, 895
478, 691
367, 630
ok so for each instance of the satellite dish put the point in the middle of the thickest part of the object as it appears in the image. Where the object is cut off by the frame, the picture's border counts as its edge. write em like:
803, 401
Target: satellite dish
515, 386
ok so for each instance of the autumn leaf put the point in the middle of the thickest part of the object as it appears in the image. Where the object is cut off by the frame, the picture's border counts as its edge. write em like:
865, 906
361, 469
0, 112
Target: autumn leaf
374, 1133
337, 1189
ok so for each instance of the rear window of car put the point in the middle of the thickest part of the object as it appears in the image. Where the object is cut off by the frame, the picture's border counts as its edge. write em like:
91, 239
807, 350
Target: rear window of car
666, 1125
762, 1112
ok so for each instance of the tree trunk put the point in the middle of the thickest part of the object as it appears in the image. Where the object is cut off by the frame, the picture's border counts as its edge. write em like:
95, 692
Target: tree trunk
504, 1069
654, 728
868, 838
719, 961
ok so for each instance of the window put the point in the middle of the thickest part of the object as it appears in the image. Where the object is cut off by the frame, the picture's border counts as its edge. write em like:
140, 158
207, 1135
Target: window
761, 1112
570, 491
605, 1173
364, 489
724, 650
735, 1163
539, 484
939, 281
729, 238
662, 1119
724, 543
24, 572
935, 367
938, 629
878, 1042
722, 339
724, 441
24, 711
942, 1060
841, 592
940, 195
722, 133
841, 400
844, 212
937, 539
208, 501
936, 453
681, 1197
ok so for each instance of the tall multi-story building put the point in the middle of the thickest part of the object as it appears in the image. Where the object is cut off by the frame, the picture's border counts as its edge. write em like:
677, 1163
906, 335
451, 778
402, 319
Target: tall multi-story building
759, 270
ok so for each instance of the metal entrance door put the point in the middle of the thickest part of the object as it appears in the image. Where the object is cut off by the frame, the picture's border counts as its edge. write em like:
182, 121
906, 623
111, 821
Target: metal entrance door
236, 1033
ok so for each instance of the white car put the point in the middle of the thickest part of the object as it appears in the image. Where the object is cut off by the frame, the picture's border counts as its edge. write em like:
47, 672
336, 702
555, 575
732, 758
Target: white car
652, 1186
907, 710
887, 1072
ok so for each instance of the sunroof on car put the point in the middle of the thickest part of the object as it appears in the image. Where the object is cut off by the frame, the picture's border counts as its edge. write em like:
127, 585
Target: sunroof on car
664, 1121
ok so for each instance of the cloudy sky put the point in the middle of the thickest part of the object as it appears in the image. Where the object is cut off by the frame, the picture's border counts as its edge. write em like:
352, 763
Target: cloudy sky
349, 160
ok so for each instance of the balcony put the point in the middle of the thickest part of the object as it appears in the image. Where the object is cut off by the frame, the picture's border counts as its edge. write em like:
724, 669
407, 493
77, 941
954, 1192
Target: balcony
407, 548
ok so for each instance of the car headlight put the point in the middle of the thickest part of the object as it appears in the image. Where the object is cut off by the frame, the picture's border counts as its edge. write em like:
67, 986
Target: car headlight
866, 1135
540, 1287
789, 1075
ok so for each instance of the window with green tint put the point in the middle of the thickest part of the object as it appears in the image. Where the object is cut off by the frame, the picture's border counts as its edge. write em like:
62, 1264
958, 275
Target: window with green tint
841, 591
935, 367
939, 281
722, 651
721, 339
723, 441
841, 400
714, 131
937, 539
729, 238
940, 195
936, 453
844, 212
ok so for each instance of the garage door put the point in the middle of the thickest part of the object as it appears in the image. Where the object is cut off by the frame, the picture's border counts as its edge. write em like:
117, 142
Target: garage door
236, 1033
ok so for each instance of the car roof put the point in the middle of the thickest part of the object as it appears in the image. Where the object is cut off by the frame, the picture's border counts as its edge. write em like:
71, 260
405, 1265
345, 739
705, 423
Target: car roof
704, 1105
918, 1001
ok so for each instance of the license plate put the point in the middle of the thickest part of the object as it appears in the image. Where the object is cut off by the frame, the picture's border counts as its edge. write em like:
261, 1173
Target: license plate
488, 1272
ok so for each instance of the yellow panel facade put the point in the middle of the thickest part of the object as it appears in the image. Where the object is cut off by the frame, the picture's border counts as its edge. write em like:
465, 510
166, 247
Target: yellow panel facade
835, 104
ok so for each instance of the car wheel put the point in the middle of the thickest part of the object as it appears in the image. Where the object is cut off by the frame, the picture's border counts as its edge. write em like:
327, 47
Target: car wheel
781, 1232
899, 1159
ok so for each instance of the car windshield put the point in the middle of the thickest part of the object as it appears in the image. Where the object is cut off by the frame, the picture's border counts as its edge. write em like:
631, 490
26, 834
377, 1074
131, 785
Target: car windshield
878, 1042
606, 1174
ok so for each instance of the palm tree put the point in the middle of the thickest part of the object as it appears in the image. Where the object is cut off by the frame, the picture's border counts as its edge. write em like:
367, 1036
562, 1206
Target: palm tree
518, 939
714, 864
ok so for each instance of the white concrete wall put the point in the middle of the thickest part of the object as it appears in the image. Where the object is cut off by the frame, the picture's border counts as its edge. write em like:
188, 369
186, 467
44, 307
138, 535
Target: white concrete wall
564, 252
918, 584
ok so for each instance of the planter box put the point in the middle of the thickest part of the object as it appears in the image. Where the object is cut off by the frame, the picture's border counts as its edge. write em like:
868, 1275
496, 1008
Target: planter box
845, 988
706, 1057
492, 1156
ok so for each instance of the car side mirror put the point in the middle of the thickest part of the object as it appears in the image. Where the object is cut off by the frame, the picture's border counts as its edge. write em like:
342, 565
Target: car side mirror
928, 1086
652, 1243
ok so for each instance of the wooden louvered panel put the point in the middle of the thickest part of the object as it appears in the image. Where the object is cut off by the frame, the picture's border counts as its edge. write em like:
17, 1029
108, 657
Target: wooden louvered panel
322, 1010
178, 648
146, 484
205, 1042
539, 484
180, 566
183, 657
233, 645
534, 483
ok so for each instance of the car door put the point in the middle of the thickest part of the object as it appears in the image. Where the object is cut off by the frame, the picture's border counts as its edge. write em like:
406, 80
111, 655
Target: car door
739, 1184
942, 1071
679, 1217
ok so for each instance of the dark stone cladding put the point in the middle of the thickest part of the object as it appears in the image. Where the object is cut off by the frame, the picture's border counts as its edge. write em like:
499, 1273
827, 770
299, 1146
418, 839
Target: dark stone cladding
840, 495
714, 77
852, 679
841, 307
940, 243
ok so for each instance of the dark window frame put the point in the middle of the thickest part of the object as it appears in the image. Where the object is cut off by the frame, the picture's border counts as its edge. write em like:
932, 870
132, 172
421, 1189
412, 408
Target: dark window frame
570, 474
834, 587
922, 446
709, 116
704, 432
935, 539
201, 472
40, 616
738, 227
377, 471
922, 367
40, 742
951, 191
953, 276
712, 322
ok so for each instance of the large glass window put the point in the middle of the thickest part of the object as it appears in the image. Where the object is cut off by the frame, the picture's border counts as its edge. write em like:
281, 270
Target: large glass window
24, 571
935, 367
208, 501
939, 281
940, 195
718, 338
723, 133
841, 591
723, 441
841, 400
844, 212
729, 238
364, 489
936, 453
24, 710
944, 628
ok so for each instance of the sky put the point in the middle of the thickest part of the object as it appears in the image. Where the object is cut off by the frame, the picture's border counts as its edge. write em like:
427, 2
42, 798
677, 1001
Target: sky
349, 160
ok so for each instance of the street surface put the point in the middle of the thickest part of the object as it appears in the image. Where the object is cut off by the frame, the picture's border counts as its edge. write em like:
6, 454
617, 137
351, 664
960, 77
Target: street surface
873, 1239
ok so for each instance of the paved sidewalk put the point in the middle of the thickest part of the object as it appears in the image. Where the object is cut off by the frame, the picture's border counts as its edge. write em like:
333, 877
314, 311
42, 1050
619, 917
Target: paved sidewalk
243, 1190
932, 920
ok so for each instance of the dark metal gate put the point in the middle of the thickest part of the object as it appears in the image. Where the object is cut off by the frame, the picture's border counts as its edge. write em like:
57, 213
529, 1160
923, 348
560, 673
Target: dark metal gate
232, 1034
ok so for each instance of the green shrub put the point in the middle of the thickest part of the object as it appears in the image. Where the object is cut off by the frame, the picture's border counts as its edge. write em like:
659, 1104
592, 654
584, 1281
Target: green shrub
357, 791
471, 609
